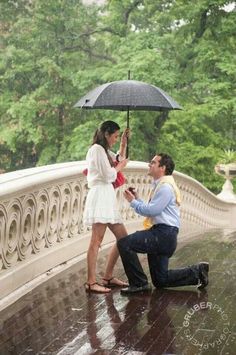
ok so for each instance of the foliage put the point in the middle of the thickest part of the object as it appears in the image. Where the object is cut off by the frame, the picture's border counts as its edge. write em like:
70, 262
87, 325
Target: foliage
53, 52
227, 156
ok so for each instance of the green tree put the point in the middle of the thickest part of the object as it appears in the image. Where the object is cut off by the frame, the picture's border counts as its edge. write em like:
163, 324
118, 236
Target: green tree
53, 52
41, 49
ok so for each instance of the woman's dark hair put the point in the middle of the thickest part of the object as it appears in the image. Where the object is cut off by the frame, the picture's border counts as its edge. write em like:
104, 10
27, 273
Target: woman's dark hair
99, 137
168, 162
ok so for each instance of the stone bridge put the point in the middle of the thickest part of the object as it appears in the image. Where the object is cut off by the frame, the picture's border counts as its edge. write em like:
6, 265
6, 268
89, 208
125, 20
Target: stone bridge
41, 229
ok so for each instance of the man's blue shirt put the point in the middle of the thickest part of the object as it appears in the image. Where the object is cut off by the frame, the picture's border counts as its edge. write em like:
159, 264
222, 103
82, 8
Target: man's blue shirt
162, 208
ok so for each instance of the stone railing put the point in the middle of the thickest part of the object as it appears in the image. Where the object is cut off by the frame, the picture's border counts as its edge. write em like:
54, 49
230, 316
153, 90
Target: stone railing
41, 217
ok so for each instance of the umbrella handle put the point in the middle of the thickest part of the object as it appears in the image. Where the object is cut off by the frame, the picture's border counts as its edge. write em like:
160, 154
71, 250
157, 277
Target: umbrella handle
127, 148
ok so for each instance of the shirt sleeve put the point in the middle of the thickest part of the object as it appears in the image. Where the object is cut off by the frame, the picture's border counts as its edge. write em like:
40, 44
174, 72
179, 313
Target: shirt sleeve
112, 155
157, 204
101, 163
116, 157
120, 157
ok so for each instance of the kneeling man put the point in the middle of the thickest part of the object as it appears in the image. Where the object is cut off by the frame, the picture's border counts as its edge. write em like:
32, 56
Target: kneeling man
159, 238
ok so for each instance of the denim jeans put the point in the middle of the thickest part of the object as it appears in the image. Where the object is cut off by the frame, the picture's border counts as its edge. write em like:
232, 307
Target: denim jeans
159, 243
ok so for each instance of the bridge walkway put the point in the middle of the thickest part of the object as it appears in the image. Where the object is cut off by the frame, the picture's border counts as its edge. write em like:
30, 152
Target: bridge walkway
58, 317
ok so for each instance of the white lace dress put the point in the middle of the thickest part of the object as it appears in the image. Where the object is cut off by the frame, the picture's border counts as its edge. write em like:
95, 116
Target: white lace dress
101, 204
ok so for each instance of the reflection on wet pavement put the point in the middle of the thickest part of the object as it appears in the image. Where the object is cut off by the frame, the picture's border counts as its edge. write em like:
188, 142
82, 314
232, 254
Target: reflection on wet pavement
58, 317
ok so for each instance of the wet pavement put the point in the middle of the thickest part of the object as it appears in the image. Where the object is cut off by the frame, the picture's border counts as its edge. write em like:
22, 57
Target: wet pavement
58, 317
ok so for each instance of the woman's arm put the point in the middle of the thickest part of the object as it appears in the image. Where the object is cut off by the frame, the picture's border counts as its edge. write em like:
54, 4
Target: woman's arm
99, 162
123, 143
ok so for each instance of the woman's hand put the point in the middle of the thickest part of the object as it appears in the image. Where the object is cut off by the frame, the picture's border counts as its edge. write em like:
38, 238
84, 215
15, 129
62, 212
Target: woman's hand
124, 136
122, 164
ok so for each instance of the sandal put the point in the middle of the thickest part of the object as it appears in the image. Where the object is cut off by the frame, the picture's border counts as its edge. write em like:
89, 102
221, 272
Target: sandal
88, 288
114, 282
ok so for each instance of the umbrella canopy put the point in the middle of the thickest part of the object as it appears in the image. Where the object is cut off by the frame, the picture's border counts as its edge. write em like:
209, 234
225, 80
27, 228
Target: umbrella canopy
126, 95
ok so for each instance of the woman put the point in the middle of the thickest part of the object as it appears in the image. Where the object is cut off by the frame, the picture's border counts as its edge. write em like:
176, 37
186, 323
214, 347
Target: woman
101, 207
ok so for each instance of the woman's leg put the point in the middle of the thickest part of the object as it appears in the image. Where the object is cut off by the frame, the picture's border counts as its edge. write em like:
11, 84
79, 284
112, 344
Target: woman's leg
98, 231
119, 231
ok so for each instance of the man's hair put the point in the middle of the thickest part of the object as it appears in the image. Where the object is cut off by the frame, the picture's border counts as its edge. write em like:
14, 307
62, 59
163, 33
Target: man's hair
168, 162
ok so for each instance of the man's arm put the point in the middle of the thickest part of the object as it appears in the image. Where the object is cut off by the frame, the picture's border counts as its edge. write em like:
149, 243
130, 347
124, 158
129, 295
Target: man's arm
157, 204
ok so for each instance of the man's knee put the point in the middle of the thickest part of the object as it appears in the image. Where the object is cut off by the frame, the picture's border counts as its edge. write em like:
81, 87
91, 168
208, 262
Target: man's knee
123, 243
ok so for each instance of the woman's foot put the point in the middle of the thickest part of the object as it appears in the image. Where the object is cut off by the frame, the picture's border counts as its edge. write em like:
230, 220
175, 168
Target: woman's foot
114, 282
96, 288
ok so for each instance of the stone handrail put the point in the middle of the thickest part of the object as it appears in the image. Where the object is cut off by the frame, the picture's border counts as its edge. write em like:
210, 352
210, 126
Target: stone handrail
41, 216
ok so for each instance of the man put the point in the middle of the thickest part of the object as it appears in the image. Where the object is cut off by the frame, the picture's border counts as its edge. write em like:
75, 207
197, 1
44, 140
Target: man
159, 241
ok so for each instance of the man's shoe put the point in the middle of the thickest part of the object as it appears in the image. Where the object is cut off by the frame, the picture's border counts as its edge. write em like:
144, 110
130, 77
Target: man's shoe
135, 289
203, 275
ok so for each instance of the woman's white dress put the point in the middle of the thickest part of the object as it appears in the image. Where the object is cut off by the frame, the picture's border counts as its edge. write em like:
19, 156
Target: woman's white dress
101, 204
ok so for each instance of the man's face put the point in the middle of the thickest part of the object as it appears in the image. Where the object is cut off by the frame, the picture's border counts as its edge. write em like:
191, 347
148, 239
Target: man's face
155, 170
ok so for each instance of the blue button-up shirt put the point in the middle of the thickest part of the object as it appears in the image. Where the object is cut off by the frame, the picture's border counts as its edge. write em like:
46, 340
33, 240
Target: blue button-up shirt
162, 208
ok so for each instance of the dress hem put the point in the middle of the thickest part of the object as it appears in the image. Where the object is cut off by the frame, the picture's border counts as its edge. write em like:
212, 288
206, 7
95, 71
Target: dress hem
90, 222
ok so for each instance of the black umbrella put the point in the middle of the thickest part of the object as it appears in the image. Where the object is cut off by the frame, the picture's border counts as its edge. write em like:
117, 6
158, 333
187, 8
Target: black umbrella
126, 95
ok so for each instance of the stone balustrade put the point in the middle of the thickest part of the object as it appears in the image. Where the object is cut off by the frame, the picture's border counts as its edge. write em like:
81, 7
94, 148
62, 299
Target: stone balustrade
41, 217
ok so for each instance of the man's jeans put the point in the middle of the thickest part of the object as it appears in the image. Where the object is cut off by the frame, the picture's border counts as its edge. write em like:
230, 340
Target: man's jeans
159, 243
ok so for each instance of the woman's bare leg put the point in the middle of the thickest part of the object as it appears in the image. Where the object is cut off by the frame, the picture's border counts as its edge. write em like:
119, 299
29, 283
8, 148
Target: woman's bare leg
119, 231
111, 261
98, 231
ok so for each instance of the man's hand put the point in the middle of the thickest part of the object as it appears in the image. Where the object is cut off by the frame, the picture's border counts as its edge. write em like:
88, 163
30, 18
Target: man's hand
129, 196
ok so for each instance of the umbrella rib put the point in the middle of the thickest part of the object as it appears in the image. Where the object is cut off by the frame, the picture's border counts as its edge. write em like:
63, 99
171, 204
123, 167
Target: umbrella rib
168, 99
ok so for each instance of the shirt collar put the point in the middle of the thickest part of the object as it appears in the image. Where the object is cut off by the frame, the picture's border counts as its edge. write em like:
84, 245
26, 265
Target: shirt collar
155, 182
